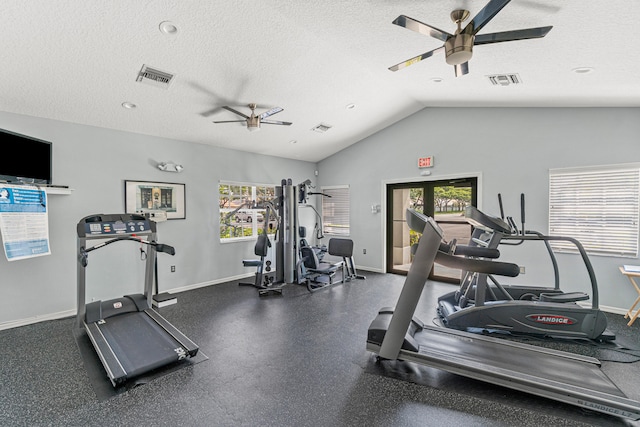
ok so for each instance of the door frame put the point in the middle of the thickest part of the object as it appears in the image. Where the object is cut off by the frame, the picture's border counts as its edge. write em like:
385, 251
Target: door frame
383, 198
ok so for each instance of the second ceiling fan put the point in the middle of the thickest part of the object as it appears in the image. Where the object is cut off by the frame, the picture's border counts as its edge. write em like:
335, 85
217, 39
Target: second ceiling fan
458, 47
255, 120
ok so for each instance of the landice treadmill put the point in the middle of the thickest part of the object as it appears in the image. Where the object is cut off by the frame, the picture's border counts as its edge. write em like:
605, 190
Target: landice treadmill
396, 334
129, 336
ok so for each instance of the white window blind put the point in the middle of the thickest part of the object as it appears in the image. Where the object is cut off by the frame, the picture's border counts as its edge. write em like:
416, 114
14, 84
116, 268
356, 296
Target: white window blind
335, 210
598, 207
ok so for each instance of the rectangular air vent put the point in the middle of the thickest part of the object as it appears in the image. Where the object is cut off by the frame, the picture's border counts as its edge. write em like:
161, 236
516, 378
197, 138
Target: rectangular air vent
504, 79
155, 77
321, 128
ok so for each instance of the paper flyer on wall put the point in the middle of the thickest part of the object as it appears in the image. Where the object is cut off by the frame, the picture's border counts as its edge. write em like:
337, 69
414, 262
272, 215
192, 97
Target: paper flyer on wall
24, 221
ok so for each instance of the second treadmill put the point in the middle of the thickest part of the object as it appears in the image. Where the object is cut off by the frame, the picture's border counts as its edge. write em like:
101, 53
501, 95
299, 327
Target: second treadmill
129, 336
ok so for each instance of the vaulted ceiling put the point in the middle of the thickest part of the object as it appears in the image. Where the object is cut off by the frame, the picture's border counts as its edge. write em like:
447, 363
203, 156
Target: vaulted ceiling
324, 63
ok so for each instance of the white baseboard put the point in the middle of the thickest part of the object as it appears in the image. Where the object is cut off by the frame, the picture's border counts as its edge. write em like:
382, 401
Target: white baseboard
209, 283
69, 313
606, 309
36, 319
371, 269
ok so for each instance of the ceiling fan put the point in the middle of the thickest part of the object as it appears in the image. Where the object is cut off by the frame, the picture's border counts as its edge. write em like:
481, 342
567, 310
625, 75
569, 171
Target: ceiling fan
253, 121
458, 47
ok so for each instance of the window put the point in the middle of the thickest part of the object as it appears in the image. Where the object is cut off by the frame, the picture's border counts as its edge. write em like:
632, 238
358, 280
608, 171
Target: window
598, 207
243, 211
335, 210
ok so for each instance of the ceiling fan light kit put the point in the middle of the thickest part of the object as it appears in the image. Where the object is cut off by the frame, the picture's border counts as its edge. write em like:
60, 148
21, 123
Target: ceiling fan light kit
458, 47
254, 121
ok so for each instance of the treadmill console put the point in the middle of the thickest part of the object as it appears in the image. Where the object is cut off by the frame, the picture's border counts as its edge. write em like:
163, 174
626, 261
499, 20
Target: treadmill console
479, 219
115, 224
418, 221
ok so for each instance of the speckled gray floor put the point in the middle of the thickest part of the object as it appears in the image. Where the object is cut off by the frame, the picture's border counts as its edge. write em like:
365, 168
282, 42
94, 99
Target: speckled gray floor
295, 360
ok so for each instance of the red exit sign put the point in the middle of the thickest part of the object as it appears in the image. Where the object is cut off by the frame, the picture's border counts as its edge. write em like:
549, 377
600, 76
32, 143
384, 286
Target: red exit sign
425, 162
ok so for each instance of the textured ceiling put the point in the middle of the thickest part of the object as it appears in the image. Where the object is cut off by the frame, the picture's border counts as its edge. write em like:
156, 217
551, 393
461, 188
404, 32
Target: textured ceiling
77, 61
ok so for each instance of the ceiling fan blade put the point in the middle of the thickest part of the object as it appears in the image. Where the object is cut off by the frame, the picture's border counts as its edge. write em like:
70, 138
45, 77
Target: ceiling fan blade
422, 28
271, 112
506, 36
275, 122
484, 16
462, 69
230, 121
236, 111
418, 58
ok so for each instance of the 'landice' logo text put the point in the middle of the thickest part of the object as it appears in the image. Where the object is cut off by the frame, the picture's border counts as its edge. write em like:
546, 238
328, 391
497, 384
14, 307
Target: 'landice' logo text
551, 319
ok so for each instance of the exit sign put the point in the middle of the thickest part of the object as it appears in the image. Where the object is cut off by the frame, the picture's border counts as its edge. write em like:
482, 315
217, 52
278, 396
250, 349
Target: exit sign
425, 162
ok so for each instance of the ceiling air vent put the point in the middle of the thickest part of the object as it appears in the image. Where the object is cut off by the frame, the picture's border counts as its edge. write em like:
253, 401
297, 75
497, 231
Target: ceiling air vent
321, 128
504, 79
155, 77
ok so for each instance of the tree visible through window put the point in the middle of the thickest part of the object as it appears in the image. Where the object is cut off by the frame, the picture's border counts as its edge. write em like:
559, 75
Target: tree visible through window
242, 210
597, 206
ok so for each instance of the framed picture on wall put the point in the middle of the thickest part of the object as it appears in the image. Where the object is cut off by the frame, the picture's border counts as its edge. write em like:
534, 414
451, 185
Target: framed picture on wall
149, 197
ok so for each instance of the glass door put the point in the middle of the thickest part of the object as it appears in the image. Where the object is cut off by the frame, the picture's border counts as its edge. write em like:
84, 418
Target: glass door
400, 238
442, 200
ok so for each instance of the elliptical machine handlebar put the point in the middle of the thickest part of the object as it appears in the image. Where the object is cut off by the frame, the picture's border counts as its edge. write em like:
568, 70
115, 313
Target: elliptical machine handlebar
477, 265
470, 251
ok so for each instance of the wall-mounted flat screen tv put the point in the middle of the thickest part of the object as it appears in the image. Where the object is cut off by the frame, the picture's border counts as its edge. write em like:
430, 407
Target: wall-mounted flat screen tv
25, 160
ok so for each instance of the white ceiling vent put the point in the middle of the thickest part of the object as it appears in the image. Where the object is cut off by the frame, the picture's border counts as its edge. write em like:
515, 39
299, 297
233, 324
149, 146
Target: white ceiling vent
504, 79
321, 128
155, 77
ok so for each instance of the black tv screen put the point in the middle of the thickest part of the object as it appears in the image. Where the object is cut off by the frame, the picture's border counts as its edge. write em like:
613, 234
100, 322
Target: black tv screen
26, 160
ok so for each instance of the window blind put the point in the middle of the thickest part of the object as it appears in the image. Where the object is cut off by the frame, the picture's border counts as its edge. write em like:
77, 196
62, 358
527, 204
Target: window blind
599, 208
335, 210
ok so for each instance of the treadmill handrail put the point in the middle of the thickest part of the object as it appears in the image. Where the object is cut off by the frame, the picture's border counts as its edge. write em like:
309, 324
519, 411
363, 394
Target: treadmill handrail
477, 265
160, 247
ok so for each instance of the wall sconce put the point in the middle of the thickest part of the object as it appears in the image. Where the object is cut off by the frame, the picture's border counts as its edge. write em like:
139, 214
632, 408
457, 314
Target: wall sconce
170, 167
375, 209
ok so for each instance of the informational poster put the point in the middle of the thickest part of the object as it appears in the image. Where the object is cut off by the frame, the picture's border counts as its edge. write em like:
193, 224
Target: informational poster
24, 221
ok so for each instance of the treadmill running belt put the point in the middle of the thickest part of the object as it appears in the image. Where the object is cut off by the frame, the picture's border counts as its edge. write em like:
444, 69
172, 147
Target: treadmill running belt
139, 343
503, 357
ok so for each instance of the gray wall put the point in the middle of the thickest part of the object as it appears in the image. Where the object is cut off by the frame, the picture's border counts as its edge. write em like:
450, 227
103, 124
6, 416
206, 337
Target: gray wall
511, 150
95, 162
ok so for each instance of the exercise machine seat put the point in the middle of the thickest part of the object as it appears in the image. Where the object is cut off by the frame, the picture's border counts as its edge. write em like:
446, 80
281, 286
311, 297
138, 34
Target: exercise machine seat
319, 250
313, 265
260, 249
252, 262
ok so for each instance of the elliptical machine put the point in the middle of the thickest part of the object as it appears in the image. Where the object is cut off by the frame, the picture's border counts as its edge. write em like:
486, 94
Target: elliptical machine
533, 310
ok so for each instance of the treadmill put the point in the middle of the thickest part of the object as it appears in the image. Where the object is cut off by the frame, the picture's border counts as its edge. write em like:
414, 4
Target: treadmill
129, 337
396, 334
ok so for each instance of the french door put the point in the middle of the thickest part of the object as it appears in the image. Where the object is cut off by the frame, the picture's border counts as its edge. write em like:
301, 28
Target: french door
442, 200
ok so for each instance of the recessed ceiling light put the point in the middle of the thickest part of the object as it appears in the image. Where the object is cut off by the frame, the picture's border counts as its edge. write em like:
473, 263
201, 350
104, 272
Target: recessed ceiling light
168, 28
350, 106
582, 70
437, 80
129, 105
